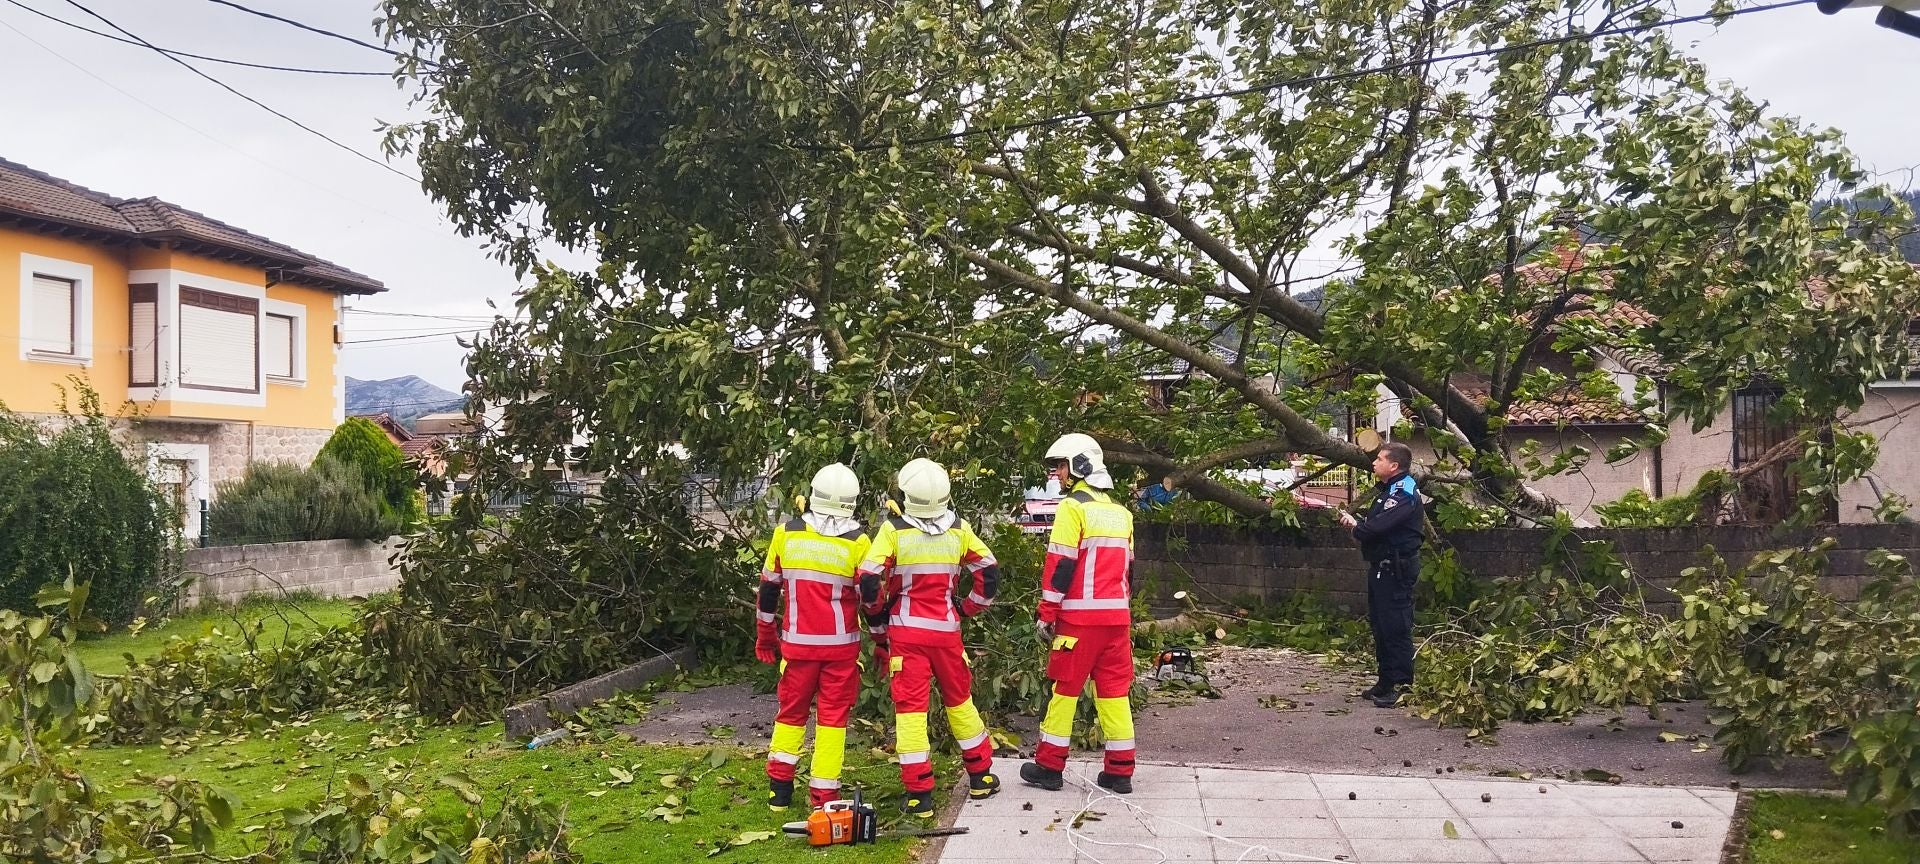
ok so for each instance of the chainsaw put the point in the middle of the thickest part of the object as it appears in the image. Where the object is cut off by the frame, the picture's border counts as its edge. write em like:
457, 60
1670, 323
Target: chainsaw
843, 821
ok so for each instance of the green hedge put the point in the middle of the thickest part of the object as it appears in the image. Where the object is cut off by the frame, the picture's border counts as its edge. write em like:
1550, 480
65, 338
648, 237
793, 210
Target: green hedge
73, 502
279, 502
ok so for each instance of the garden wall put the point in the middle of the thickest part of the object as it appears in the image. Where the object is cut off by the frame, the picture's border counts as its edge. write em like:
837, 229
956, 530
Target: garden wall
1226, 562
329, 568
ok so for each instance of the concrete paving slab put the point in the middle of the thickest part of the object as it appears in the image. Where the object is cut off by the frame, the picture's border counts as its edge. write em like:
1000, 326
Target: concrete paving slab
1388, 821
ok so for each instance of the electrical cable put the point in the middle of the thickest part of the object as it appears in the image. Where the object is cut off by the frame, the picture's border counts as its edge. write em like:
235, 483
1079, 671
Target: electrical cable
123, 40
415, 336
1060, 119
262, 105
329, 33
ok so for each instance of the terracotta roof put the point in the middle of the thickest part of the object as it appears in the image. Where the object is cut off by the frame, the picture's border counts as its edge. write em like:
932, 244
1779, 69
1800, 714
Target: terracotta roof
33, 196
386, 421
1573, 408
421, 445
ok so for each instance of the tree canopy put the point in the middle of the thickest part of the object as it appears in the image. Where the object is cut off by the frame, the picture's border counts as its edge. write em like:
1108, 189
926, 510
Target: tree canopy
870, 230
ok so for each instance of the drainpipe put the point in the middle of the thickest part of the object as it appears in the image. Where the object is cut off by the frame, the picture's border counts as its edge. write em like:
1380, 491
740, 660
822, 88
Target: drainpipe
1659, 471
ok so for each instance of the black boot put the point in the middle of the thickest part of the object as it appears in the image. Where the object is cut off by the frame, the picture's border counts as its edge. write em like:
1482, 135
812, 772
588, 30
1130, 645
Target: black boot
779, 794
1380, 688
1114, 783
1046, 778
1391, 698
982, 785
919, 805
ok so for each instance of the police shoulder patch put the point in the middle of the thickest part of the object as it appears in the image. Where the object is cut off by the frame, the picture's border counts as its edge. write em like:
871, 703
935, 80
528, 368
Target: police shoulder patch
1390, 503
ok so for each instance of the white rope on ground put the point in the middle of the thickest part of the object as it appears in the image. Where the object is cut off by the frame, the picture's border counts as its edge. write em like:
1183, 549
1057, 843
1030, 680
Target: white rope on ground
1095, 795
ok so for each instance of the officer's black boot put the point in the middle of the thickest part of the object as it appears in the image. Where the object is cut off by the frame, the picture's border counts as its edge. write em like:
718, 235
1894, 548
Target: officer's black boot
1114, 783
1380, 688
1046, 778
1390, 698
779, 794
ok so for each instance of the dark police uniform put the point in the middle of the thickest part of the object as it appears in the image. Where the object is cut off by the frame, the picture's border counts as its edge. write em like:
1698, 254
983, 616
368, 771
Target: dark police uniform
1390, 537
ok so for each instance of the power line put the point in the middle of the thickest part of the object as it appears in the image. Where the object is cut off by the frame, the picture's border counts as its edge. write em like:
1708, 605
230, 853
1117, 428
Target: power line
385, 314
262, 105
440, 335
123, 40
324, 32
1059, 119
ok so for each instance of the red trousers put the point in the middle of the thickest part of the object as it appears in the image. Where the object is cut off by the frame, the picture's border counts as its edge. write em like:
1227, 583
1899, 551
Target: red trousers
914, 668
836, 684
1104, 653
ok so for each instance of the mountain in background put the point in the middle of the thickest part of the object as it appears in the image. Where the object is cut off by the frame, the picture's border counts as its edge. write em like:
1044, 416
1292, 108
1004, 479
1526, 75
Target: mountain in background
404, 399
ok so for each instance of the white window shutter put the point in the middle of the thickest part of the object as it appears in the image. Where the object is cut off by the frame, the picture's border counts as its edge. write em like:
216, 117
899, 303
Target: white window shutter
219, 348
145, 348
52, 327
276, 345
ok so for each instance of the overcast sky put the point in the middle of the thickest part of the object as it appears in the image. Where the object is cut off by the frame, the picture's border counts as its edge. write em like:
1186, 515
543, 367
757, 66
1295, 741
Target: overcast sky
126, 121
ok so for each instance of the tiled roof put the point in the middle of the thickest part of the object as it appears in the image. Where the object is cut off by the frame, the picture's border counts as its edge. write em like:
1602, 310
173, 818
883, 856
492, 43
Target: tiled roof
1572, 408
421, 445
26, 194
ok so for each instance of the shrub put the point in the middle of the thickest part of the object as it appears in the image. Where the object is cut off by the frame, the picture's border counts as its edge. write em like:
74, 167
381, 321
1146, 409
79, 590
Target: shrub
279, 502
73, 500
363, 447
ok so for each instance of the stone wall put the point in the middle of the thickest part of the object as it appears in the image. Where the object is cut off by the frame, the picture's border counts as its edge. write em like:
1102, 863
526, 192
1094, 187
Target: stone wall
329, 568
1227, 563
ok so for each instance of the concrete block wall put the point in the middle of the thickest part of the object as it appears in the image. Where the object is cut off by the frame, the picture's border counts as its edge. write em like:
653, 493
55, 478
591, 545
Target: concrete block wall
1228, 563
329, 568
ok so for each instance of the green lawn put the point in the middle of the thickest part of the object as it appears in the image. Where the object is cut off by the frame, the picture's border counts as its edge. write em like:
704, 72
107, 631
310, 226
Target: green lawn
721, 794
293, 764
104, 654
1827, 830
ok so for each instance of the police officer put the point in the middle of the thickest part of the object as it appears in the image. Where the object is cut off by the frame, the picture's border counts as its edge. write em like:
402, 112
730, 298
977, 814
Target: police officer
1390, 537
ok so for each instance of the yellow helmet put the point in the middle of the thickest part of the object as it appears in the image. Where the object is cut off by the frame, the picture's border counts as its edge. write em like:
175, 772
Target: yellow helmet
925, 489
835, 491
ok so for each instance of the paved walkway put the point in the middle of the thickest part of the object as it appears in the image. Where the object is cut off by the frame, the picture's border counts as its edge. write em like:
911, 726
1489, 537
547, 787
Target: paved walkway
1234, 815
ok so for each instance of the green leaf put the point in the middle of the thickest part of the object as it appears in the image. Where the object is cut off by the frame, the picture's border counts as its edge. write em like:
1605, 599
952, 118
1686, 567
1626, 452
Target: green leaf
1451, 832
463, 786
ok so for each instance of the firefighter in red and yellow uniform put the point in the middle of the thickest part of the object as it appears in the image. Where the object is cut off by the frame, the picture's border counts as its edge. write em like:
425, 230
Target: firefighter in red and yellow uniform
813, 558
918, 562
1086, 616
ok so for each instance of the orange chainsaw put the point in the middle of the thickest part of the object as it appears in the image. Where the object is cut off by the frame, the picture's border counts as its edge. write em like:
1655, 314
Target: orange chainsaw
838, 822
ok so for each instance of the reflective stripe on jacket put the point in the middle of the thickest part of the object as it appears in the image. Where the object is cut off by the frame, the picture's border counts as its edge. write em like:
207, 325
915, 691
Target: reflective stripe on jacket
1089, 561
821, 608
923, 572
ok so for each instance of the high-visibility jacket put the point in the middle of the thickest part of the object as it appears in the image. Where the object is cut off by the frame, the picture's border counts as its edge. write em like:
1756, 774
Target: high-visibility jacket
1089, 559
922, 572
821, 615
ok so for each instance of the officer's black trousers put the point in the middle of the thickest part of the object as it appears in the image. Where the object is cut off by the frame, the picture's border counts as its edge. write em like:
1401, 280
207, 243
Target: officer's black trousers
1390, 614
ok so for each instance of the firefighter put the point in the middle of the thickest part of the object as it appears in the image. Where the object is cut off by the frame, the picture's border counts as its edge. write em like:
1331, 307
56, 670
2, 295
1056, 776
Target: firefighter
814, 558
1086, 616
919, 561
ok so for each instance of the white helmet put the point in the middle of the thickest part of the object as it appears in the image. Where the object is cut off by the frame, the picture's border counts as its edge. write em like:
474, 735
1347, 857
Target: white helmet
835, 491
1084, 458
924, 489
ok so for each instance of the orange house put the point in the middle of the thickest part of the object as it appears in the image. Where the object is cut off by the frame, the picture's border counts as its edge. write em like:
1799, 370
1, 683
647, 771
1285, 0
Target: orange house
225, 344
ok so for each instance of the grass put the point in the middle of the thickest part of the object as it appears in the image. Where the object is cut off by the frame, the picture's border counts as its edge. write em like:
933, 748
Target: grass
722, 792
297, 763
278, 617
1824, 829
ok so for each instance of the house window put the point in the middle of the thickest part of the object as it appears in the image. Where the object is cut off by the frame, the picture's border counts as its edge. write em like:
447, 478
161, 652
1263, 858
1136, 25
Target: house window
143, 335
219, 341
276, 346
56, 311
1768, 493
52, 329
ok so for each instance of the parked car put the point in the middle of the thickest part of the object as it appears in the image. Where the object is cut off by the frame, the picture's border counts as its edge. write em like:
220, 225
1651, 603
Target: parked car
1036, 512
